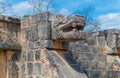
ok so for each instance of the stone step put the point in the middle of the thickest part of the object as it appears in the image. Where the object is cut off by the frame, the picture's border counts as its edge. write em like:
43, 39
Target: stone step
69, 58
73, 63
66, 69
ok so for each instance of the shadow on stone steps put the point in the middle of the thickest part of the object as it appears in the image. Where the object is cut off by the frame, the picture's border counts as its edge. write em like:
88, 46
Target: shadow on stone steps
66, 67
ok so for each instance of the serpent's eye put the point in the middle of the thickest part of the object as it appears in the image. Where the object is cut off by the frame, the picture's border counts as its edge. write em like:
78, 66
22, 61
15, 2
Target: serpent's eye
79, 27
68, 29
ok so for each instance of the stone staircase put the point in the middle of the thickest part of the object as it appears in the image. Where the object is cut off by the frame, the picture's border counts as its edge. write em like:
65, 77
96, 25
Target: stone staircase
65, 65
72, 62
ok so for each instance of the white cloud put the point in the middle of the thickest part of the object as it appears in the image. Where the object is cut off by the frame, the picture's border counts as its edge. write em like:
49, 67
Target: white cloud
25, 8
2, 0
64, 11
20, 9
110, 21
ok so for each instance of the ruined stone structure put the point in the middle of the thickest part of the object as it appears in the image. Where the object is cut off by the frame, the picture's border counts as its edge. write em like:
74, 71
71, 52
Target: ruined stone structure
99, 54
9, 47
44, 48
54, 46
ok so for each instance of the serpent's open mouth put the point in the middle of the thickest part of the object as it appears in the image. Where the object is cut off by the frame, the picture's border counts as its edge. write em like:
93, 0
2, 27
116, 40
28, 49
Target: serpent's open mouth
72, 31
71, 27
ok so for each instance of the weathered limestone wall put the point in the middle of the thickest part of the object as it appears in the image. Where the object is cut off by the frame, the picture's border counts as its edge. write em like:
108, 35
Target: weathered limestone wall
9, 47
44, 55
54, 46
40, 56
13, 64
9, 64
35, 37
9, 33
99, 55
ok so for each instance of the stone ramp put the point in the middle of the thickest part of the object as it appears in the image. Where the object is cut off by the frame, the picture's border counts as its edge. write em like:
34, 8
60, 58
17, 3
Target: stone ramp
72, 62
66, 67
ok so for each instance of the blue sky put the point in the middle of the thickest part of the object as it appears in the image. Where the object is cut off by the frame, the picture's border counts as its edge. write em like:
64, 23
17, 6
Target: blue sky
107, 11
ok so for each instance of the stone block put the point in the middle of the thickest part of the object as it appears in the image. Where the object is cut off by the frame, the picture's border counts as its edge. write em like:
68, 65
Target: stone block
92, 64
90, 41
30, 68
13, 69
110, 66
112, 31
30, 55
95, 74
25, 22
33, 45
102, 33
101, 65
100, 57
23, 69
44, 30
31, 33
23, 35
118, 43
37, 55
85, 56
45, 43
95, 49
88, 35
29, 76
38, 77
95, 34
82, 48
27, 33
113, 74
84, 64
34, 33
23, 56
103, 73
25, 46
101, 41
111, 40
37, 69
87, 48
43, 17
